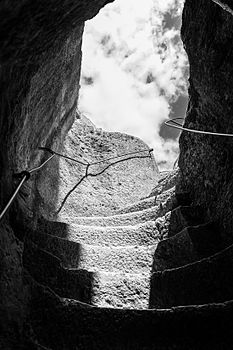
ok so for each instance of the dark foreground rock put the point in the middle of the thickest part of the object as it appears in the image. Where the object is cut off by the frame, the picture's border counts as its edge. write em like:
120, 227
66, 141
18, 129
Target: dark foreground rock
67, 324
207, 280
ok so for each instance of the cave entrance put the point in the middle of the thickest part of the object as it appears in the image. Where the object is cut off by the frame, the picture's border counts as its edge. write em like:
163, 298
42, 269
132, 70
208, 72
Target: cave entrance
134, 72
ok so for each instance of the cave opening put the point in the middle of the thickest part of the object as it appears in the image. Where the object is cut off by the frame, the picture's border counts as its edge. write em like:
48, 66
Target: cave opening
134, 73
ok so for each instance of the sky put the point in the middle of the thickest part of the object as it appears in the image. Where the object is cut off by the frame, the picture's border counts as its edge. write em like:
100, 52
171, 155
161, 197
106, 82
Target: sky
134, 72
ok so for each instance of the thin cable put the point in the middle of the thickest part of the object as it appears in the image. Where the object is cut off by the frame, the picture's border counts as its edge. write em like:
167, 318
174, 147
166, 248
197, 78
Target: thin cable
224, 6
93, 175
25, 175
94, 163
13, 197
41, 166
62, 155
173, 124
126, 154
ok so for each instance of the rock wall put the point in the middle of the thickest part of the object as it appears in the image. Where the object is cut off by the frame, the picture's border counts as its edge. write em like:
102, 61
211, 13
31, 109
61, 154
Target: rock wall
206, 162
121, 184
40, 65
39, 81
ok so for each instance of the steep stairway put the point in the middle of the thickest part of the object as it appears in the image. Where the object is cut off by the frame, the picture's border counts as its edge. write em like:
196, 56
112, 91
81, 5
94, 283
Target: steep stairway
114, 252
119, 264
134, 268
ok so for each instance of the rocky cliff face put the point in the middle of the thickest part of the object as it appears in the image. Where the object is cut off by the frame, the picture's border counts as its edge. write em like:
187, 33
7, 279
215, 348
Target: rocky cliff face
40, 67
39, 81
206, 161
125, 180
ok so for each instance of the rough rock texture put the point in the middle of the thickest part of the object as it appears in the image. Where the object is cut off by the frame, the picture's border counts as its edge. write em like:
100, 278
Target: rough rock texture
206, 161
67, 324
39, 80
191, 244
117, 276
40, 60
106, 265
14, 294
121, 184
208, 280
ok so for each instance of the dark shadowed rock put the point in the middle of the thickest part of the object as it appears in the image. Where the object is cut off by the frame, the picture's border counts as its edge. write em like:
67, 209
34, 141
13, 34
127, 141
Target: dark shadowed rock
208, 280
206, 161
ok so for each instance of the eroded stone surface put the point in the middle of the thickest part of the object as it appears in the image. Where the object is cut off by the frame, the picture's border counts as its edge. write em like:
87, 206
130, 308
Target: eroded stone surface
209, 280
189, 245
56, 321
206, 161
122, 183
39, 79
33, 36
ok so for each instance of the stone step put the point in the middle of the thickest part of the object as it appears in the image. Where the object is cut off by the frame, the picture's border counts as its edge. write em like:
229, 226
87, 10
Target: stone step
161, 200
69, 249
128, 259
187, 246
103, 289
206, 281
69, 324
179, 218
47, 269
141, 234
116, 220
138, 206
121, 290
166, 182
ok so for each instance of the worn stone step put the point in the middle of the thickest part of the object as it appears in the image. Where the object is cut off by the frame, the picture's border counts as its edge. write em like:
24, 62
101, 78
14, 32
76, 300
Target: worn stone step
121, 290
128, 259
138, 206
179, 218
116, 220
66, 251
184, 216
69, 324
47, 269
103, 289
167, 181
141, 234
187, 246
206, 281
162, 200
69, 249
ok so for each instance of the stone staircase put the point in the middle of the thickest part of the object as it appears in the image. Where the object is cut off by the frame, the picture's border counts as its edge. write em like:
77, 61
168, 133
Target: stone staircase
116, 251
143, 261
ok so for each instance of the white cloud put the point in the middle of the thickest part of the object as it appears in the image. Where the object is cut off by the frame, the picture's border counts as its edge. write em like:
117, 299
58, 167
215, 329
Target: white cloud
132, 68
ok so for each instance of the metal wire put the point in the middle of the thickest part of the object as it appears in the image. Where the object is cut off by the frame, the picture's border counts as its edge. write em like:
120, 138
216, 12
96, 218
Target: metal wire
94, 163
224, 6
61, 155
173, 124
125, 154
13, 197
25, 175
41, 166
